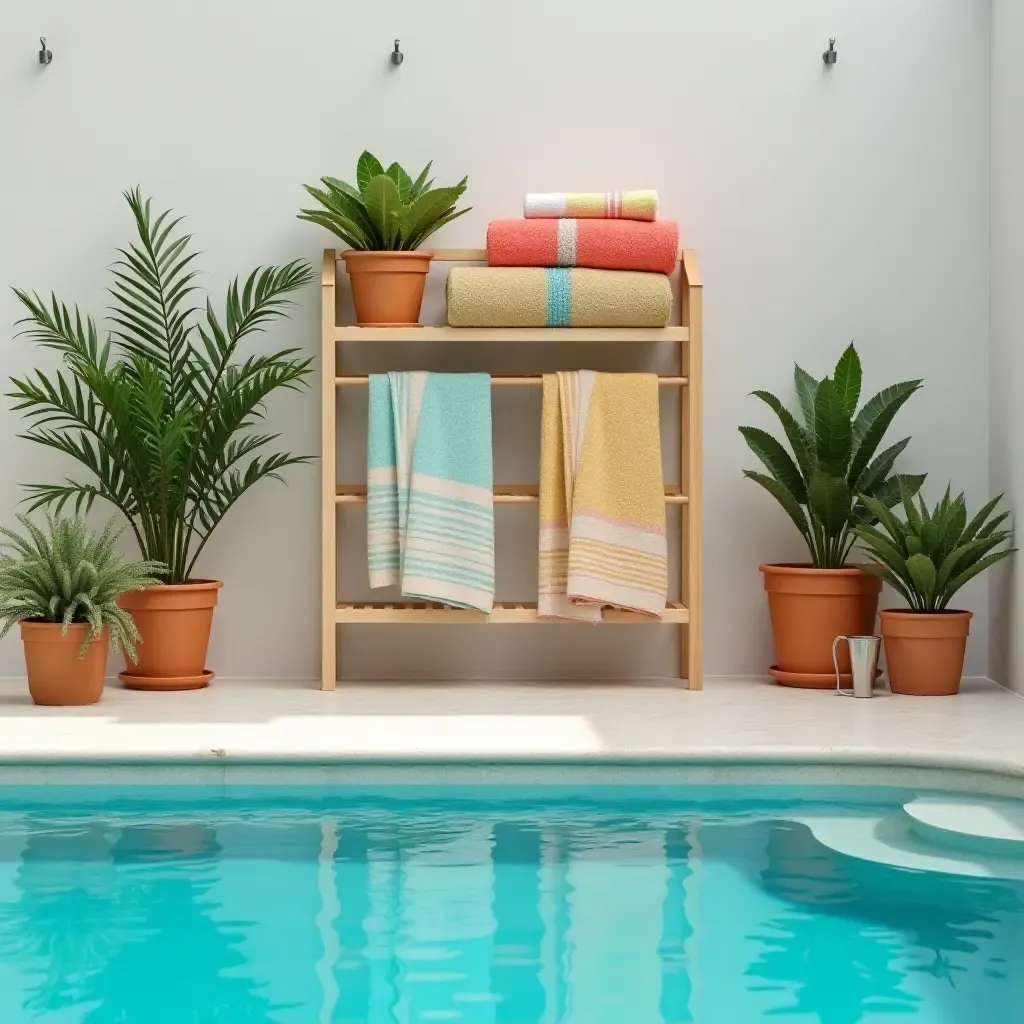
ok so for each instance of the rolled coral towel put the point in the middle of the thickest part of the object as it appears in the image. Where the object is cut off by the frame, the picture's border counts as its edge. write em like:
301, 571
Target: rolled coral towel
430, 513
602, 498
556, 297
642, 205
598, 244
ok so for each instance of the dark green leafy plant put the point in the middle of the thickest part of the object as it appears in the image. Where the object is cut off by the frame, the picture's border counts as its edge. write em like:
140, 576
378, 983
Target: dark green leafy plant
68, 574
928, 557
387, 210
161, 413
833, 461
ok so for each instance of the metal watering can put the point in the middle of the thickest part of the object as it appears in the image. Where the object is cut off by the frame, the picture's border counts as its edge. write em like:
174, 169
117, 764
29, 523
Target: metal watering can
863, 663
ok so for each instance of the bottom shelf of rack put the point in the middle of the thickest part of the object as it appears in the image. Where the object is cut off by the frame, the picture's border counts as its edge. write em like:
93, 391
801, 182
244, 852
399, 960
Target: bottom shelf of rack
505, 613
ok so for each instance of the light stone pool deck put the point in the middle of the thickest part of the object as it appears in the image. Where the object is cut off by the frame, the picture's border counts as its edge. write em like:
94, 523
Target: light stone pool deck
731, 724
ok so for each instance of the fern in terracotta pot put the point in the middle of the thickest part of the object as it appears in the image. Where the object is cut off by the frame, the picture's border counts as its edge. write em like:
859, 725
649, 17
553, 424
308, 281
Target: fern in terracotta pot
385, 218
61, 586
832, 460
926, 558
161, 414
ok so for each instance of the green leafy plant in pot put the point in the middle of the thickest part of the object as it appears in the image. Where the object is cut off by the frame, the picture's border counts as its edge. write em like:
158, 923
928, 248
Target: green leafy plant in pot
832, 460
926, 557
162, 415
385, 218
61, 585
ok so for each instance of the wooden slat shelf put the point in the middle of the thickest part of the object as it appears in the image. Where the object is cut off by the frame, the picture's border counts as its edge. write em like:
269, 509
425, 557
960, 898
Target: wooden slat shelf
527, 380
686, 615
630, 335
504, 614
504, 494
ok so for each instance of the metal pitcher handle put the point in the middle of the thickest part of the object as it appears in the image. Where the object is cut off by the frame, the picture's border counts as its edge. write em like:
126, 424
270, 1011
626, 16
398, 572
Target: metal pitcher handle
835, 665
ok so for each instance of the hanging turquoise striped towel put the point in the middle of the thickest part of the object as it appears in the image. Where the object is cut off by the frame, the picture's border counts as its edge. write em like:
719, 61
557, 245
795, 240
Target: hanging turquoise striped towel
430, 502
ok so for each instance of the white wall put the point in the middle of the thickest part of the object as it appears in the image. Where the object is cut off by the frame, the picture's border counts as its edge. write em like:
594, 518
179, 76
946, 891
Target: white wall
1006, 363
825, 205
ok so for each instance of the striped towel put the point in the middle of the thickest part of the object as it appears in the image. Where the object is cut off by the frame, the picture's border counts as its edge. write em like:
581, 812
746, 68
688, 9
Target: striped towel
602, 496
430, 500
641, 205
556, 297
651, 246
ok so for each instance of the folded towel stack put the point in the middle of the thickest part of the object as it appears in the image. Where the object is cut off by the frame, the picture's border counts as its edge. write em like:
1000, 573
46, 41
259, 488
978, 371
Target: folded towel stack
430, 511
620, 258
602, 498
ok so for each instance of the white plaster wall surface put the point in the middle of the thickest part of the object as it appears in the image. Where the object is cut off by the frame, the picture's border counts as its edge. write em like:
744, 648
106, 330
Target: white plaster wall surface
825, 204
1006, 365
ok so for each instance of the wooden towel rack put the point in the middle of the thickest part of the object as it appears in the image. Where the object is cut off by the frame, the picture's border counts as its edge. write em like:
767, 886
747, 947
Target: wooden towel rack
686, 613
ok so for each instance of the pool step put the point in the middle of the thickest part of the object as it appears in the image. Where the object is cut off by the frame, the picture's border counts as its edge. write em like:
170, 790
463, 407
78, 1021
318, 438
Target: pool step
968, 825
893, 839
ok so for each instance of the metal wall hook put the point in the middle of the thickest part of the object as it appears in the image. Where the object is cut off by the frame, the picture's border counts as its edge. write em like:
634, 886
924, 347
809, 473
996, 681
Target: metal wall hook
397, 57
830, 55
44, 54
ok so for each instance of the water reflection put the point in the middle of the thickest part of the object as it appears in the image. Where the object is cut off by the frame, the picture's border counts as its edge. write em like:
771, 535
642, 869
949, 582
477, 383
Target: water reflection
561, 915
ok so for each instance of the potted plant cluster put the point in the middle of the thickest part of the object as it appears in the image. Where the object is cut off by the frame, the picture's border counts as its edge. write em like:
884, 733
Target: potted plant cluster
161, 414
385, 217
926, 558
823, 482
62, 586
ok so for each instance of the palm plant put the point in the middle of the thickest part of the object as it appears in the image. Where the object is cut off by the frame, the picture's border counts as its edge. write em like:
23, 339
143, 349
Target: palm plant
387, 211
68, 574
822, 485
161, 412
928, 557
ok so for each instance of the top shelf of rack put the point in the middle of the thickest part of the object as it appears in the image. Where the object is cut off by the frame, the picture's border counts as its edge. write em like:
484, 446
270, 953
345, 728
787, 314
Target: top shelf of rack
548, 334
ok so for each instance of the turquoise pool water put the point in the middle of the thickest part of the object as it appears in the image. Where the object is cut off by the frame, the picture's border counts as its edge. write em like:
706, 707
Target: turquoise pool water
415, 905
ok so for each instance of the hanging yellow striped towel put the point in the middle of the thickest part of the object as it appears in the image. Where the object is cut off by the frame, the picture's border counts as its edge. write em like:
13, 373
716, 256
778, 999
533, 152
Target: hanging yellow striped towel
602, 497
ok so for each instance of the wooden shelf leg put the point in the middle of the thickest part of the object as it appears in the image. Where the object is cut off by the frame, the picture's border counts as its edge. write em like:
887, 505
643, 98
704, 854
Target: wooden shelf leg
328, 473
691, 650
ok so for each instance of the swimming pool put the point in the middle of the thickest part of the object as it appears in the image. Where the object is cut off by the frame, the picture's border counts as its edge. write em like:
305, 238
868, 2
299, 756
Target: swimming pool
635, 904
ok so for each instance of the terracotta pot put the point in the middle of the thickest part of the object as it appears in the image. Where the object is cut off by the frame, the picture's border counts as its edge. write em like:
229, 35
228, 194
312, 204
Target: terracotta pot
924, 653
56, 675
174, 622
809, 608
387, 287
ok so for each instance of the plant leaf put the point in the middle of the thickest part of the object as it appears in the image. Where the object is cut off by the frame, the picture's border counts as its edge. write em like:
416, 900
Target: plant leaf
847, 379
873, 421
401, 179
368, 167
794, 432
777, 460
922, 572
783, 497
806, 391
384, 205
832, 430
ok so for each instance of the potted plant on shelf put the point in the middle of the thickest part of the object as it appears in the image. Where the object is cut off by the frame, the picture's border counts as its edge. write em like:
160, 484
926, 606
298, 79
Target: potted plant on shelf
384, 218
926, 559
820, 486
161, 415
62, 586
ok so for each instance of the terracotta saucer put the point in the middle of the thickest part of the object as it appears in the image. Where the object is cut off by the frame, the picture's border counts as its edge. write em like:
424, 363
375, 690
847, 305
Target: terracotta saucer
158, 683
812, 680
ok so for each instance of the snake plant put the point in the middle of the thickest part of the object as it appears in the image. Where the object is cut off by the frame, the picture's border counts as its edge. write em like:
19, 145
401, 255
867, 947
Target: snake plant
928, 556
386, 211
832, 464
69, 573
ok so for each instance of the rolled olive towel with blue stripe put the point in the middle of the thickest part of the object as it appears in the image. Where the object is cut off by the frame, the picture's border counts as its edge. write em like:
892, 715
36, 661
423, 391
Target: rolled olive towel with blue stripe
556, 297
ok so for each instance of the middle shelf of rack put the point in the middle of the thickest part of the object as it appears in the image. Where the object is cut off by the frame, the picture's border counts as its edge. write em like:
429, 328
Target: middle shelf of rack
504, 494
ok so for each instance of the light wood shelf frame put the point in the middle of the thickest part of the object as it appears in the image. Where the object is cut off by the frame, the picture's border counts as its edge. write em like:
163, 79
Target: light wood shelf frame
686, 614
